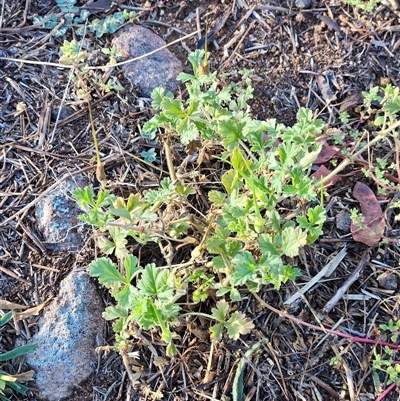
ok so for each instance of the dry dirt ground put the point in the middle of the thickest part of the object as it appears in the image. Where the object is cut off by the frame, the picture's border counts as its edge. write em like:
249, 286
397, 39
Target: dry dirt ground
288, 48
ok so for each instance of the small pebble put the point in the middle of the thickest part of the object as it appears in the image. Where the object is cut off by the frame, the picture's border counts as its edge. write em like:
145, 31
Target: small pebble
303, 4
65, 112
388, 281
343, 221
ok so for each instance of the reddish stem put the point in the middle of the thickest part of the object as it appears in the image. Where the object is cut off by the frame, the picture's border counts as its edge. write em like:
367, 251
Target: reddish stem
386, 392
336, 333
330, 331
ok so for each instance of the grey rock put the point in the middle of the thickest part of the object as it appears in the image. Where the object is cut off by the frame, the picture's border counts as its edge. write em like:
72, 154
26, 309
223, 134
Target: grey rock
343, 221
56, 218
303, 4
66, 338
388, 281
150, 72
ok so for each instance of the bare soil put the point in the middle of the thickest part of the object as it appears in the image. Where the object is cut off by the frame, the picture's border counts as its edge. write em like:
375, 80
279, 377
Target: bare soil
289, 49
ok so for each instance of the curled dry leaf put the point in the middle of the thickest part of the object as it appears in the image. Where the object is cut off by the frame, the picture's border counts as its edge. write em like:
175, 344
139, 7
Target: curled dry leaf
373, 223
10, 305
327, 153
323, 172
34, 311
325, 89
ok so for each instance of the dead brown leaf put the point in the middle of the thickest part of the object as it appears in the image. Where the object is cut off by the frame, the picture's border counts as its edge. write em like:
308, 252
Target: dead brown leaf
10, 305
326, 154
323, 172
373, 224
30, 312
325, 89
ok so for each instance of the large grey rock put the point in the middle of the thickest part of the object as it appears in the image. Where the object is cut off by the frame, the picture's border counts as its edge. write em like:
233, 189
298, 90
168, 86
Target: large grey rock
158, 69
56, 218
66, 338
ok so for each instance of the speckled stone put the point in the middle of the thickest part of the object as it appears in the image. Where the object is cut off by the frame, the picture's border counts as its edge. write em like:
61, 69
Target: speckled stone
388, 281
57, 218
66, 339
303, 4
150, 72
343, 221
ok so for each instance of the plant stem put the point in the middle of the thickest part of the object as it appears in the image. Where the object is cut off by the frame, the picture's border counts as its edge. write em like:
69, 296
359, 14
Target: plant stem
100, 174
386, 392
132, 378
200, 314
170, 163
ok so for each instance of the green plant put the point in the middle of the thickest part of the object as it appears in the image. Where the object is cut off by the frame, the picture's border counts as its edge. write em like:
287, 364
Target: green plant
363, 5
113, 53
149, 155
150, 303
250, 238
111, 23
9, 383
372, 136
72, 18
245, 237
71, 52
386, 361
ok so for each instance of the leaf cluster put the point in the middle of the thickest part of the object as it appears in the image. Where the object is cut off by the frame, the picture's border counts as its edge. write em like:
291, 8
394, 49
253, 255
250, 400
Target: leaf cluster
386, 360
74, 18
150, 303
368, 5
269, 164
135, 218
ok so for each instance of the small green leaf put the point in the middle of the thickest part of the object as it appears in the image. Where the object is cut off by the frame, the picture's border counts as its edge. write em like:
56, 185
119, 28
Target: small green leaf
231, 132
106, 246
171, 349
217, 197
184, 77
245, 268
121, 213
187, 130
220, 312
149, 156
172, 108
238, 324
238, 384
16, 352
84, 197
133, 202
5, 318
157, 95
292, 240
156, 282
132, 268
125, 295
115, 312
106, 271
216, 331
231, 181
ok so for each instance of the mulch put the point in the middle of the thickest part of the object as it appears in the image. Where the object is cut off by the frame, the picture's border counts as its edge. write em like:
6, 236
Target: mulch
321, 58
